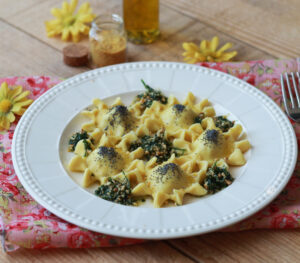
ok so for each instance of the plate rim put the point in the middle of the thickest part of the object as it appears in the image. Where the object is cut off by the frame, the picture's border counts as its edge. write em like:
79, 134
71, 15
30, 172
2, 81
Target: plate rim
20, 166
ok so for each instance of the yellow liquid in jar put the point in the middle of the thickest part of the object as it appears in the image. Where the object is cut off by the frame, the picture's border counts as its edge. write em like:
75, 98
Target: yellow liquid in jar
141, 19
107, 47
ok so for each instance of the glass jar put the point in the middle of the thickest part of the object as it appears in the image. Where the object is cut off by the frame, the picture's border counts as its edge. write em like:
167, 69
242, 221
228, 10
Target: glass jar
107, 41
141, 19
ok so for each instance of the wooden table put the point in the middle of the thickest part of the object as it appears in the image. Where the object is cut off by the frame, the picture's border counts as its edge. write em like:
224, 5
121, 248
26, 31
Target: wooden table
259, 30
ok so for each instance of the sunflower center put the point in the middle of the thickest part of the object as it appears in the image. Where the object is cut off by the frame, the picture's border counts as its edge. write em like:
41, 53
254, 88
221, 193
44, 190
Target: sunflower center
69, 21
5, 105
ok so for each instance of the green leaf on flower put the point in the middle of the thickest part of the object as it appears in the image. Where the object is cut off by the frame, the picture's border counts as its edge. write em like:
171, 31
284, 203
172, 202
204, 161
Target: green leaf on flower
28, 229
3, 201
260, 71
40, 223
269, 70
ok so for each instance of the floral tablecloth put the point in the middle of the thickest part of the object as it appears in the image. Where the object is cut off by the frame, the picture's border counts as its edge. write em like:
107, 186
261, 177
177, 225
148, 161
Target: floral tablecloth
24, 223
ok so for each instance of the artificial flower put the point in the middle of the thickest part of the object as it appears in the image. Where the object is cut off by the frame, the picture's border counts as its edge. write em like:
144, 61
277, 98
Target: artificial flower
207, 51
68, 23
12, 101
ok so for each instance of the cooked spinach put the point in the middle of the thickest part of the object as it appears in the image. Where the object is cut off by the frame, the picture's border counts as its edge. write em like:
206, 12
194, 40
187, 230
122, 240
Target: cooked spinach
217, 178
75, 138
223, 123
156, 146
146, 98
199, 118
116, 191
87, 147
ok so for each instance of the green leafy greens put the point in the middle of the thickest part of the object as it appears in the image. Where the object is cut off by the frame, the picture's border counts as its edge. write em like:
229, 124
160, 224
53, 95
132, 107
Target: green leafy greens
151, 95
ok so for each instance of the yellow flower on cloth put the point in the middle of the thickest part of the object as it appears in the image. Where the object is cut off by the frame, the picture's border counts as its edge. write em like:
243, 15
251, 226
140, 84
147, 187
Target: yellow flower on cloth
68, 23
207, 51
12, 101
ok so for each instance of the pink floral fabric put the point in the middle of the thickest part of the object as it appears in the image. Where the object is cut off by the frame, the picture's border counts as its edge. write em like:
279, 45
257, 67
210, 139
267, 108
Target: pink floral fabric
24, 223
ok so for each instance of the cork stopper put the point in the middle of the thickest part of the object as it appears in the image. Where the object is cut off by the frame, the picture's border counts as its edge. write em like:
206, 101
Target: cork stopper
76, 55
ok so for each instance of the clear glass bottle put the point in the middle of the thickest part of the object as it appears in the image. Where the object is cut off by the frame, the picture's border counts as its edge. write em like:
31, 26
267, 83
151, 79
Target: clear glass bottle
141, 19
107, 41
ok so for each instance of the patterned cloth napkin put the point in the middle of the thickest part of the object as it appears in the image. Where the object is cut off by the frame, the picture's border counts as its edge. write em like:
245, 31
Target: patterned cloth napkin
24, 223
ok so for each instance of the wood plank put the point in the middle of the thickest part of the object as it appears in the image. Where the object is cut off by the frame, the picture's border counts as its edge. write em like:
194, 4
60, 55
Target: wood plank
248, 246
21, 55
272, 26
13, 7
149, 252
197, 32
176, 29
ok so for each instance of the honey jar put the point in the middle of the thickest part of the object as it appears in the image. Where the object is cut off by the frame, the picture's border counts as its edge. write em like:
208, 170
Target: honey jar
107, 41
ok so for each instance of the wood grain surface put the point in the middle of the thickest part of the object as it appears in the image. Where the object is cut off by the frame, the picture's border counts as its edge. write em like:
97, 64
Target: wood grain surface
258, 29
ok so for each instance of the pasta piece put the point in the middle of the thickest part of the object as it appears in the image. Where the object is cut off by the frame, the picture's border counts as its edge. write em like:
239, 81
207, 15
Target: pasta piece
172, 101
88, 178
117, 121
168, 181
189, 100
209, 111
104, 162
236, 158
77, 164
235, 131
178, 116
243, 145
213, 144
83, 147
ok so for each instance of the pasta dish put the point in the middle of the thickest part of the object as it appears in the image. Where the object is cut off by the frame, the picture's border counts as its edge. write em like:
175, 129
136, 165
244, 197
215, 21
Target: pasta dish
157, 147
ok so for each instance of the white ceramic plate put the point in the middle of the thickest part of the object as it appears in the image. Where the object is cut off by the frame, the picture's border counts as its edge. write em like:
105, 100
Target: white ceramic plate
40, 156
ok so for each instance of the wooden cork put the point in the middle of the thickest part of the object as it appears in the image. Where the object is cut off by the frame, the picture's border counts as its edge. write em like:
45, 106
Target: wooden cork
76, 55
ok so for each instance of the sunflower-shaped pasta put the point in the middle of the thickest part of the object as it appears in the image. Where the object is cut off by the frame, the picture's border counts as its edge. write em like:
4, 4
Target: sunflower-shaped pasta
168, 182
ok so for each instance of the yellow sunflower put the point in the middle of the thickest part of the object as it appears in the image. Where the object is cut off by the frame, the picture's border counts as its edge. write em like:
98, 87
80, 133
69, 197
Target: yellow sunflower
68, 23
12, 101
207, 51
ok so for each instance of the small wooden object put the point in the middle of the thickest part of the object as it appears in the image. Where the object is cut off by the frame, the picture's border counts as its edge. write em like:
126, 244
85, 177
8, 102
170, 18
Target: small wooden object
76, 55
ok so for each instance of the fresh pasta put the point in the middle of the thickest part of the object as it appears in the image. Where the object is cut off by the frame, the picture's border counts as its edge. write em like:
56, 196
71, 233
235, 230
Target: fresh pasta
158, 147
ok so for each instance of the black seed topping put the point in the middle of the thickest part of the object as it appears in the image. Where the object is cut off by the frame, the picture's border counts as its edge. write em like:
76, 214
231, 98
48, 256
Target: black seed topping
107, 152
165, 168
165, 173
121, 110
211, 136
179, 107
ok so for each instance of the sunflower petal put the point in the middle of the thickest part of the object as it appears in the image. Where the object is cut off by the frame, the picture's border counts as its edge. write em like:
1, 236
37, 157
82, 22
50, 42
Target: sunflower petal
3, 90
15, 91
65, 34
73, 6
84, 8
75, 35
65, 8
56, 12
225, 47
228, 56
10, 117
21, 96
189, 46
214, 44
203, 45
23, 103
